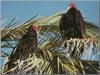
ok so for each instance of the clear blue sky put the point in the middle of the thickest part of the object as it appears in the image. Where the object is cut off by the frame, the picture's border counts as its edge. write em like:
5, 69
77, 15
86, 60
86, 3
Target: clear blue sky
24, 10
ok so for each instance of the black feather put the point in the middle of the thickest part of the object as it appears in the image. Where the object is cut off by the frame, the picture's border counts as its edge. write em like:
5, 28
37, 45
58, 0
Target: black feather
72, 24
26, 45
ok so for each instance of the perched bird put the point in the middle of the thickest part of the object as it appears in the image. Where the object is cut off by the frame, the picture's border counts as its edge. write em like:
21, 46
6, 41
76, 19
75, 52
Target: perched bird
72, 24
25, 47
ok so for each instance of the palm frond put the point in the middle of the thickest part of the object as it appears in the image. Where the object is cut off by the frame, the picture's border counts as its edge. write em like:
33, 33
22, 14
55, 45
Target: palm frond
51, 57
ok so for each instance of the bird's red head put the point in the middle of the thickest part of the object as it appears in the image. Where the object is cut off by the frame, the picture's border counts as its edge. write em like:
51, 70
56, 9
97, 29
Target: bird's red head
72, 5
36, 28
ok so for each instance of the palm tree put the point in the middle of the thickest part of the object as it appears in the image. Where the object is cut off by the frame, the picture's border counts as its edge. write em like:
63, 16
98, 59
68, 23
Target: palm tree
50, 58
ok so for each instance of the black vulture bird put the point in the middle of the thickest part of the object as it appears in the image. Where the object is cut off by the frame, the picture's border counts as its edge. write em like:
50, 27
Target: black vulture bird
72, 24
25, 47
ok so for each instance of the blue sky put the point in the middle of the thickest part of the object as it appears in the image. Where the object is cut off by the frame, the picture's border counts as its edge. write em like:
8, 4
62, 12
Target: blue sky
24, 10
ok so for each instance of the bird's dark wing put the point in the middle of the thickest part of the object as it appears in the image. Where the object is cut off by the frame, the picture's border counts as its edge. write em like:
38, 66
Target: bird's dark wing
25, 44
81, 22
66, 24
62, 21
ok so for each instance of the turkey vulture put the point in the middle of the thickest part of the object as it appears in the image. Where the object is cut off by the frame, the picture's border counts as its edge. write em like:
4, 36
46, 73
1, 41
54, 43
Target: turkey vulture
72, 24
26, 46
